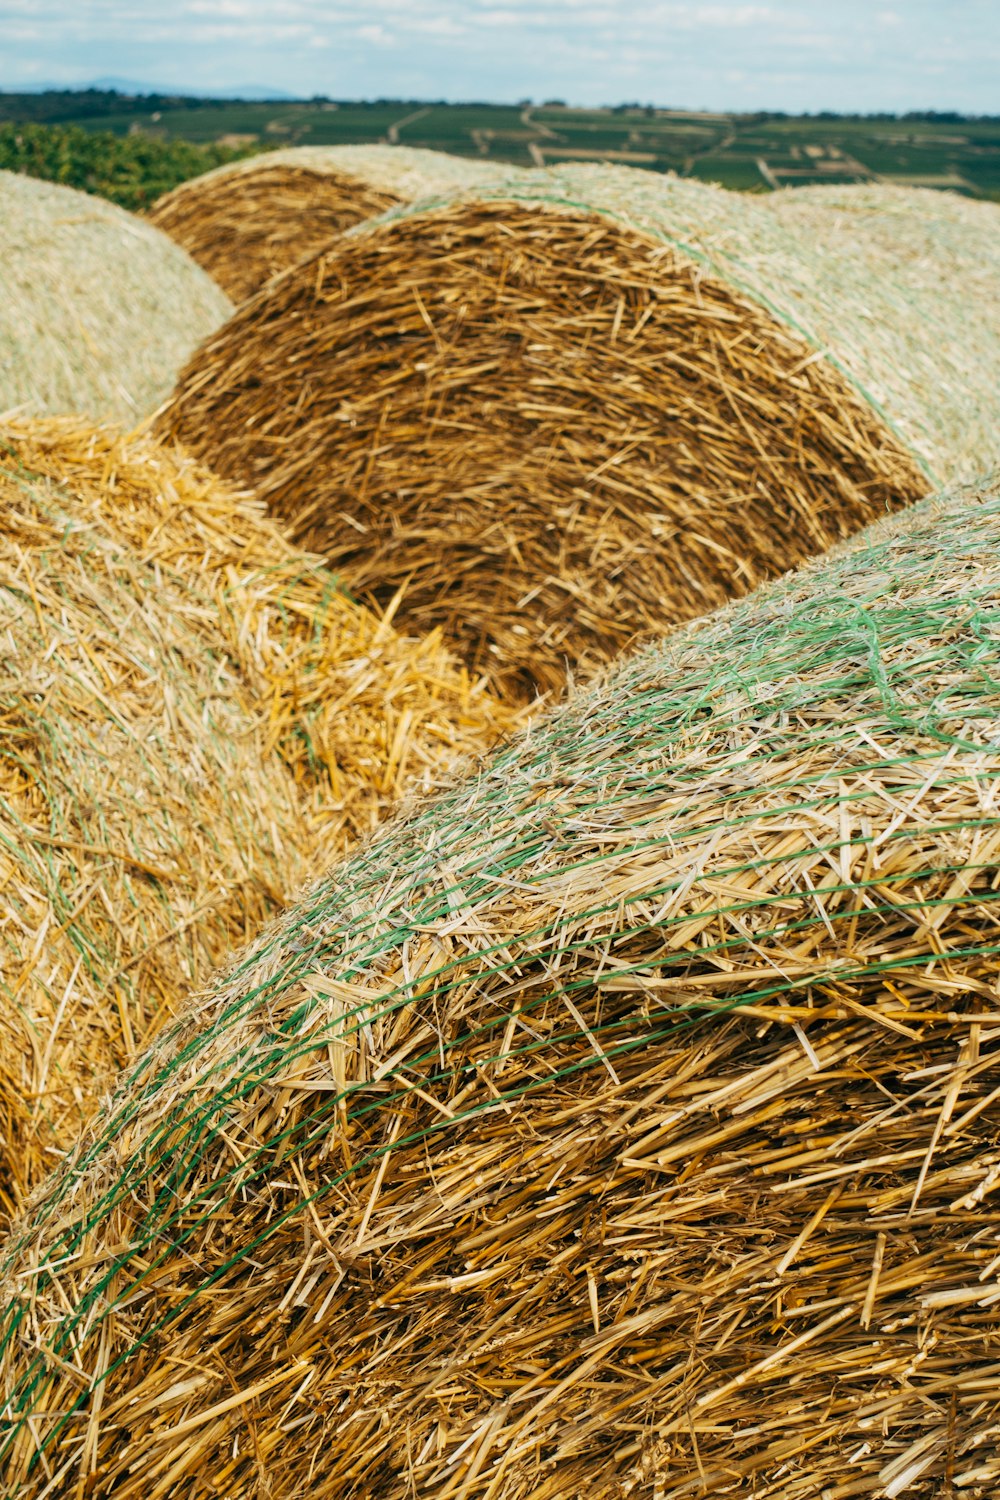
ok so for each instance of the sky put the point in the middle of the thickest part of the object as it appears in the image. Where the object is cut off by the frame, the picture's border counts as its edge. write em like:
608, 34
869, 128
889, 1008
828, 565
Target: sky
796, 55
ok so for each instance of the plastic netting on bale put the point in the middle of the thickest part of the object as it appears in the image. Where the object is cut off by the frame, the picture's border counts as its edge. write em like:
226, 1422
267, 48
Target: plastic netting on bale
623, 1123
568, 411
191, 713
248, 221
98, 310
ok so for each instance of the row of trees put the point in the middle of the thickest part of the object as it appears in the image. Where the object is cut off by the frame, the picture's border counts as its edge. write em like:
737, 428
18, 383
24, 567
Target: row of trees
131, 170
55, 106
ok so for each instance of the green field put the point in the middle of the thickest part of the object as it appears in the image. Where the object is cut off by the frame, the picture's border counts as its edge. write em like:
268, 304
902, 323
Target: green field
747, 152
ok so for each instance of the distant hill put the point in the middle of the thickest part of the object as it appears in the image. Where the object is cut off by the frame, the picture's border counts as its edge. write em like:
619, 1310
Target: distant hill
257, 93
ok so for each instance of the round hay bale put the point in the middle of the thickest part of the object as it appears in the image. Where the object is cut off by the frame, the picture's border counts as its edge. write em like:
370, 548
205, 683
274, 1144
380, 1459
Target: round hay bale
98, 310
925, 341
624, 1123
189, 711
585, 406
247, 221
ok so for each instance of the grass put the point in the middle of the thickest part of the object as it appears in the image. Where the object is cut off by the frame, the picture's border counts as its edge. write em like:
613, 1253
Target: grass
741, 173
715, 148
132, 172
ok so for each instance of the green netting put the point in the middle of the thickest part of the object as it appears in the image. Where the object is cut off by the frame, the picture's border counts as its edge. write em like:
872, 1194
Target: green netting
795, 798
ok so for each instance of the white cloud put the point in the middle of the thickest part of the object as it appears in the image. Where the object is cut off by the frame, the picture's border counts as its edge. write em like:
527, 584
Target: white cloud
791, 54
377, 35
711, 17
438, 26
241, 9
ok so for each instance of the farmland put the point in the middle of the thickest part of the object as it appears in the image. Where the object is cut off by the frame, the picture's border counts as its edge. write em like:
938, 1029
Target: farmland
746, 152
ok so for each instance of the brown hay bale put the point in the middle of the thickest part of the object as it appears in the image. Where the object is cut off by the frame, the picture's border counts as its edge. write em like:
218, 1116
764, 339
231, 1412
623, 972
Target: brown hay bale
189, 710
98, 310
247, 221
555, 420
251, 226
623, 1124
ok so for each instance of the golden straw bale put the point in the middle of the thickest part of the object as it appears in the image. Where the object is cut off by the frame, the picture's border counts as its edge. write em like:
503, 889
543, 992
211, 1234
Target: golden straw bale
623, 1123
249, 220
556, 422
98, 310
190, 713
904, 283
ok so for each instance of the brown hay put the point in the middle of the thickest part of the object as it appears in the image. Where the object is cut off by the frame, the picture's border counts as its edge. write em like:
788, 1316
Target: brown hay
622, 1125
189, 711
250, 226
248, 221
553, 431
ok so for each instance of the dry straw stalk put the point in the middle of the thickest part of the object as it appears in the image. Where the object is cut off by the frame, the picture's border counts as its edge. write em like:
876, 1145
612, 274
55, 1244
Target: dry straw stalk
248, 221
623, 1124
191, 713
98, 310
576, 408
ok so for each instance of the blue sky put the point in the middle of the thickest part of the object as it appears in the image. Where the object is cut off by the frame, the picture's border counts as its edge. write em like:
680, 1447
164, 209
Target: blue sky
778, 54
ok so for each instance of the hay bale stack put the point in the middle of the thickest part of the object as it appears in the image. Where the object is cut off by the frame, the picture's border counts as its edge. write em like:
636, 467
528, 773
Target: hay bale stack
189, 711
622, 1124
582, 407
247, 221
98, 310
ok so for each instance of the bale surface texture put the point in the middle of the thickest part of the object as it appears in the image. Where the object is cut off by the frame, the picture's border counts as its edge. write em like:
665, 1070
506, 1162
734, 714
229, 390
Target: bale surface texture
190, 714
898, 286
98, 310
621, 1124
903, 284
555, 428
248, 221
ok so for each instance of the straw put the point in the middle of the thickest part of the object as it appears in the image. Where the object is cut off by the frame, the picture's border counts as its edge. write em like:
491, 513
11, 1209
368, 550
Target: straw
623, 1123
897, 286
191, 714
246, 222
98, 310
926, 341
546, 417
